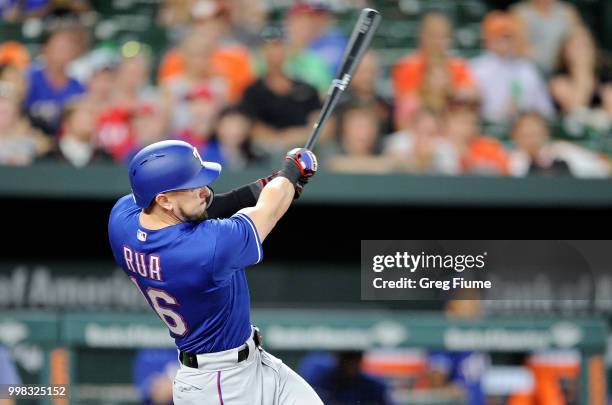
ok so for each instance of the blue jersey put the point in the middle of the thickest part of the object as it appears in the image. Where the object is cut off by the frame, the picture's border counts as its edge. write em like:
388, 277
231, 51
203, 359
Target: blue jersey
192, 274
466, 369
45, 103
8, 372
150, 364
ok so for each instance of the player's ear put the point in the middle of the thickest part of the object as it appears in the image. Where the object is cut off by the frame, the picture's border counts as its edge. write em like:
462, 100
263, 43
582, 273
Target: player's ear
163, 201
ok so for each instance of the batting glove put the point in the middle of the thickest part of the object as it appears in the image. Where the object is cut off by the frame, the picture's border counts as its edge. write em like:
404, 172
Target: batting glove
299, 164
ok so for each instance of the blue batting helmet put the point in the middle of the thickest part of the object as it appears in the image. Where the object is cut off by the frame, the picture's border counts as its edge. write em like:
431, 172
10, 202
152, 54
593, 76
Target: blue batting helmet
169, 166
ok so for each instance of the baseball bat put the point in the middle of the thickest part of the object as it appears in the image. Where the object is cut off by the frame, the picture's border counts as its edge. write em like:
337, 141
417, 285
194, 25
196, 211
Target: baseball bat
355, 49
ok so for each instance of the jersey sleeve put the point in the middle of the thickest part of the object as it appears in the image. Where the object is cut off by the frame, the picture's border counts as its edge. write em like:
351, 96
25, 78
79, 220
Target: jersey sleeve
238, 245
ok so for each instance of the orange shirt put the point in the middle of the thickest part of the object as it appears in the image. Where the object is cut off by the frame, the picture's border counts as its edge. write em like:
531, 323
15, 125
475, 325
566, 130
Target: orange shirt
232, 63
14, 53
409, 73
485, 155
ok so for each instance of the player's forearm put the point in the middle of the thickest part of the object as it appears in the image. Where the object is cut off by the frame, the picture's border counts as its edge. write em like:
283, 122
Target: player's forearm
273, 202
278, 195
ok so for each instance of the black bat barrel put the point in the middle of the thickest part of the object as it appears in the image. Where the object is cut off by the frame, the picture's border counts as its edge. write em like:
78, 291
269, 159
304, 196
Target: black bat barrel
359, 42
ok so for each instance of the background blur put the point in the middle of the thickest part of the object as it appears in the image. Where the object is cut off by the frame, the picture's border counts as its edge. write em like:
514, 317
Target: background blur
469, 118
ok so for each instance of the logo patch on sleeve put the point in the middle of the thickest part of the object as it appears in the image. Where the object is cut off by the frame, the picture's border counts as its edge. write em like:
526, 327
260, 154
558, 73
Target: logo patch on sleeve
142, 236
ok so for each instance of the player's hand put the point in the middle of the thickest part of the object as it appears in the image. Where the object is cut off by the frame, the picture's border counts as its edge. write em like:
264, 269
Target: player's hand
305, 159
299, 164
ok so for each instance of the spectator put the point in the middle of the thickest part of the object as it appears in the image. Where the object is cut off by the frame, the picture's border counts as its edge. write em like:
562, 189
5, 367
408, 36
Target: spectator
302, 63
606, 100
203, 111
508, 83
359, 148
578, 84
14, 53
50, 88
233, 133
320, 34
15, 76
430, 76
226, 59
536, 153
42, 8
557, 375
284, 109
462, 371
547, 23
133, 78
175, 13
198, 52
20, 144
148, 124
8, 373
131, 89
473, 152
339, 380
363, 90
215, 16
153, 372
113, 132
98, 72
248, 19
420, 147
181, 16
435, 92
240, 20
435, 381
9, 10
14, 59
76, 144
435, 41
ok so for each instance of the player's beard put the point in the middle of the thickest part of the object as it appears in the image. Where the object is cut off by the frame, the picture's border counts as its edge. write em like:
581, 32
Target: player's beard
195, 217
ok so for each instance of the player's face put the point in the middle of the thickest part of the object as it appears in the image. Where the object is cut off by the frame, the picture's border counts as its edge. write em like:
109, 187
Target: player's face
190, 205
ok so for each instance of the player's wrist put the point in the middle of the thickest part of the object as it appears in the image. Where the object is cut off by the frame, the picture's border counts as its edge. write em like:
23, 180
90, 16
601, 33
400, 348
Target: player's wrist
291, 170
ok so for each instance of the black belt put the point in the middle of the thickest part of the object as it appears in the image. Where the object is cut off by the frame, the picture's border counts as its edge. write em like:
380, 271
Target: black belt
191, 359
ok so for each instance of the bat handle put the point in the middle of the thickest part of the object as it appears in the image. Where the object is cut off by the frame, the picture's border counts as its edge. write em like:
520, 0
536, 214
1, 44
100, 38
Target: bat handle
313, 139
326, 111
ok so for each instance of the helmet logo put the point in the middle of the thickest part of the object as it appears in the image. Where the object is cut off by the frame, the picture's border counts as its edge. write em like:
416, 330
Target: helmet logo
197, 155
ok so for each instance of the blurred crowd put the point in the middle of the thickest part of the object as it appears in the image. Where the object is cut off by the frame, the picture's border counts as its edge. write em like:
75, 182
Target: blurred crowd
243, 87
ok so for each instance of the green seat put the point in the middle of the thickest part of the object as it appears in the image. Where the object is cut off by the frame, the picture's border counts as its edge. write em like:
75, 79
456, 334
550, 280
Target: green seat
10, 32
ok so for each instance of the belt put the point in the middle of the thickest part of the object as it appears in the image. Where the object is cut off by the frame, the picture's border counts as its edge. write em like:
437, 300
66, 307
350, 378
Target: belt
191, 359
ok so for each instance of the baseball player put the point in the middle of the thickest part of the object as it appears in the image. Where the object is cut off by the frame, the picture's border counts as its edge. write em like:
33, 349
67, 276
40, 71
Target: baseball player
190, 268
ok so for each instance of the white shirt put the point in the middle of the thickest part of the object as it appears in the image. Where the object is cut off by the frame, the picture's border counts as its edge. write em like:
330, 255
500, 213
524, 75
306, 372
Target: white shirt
444, 159
507, 82
582, 162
